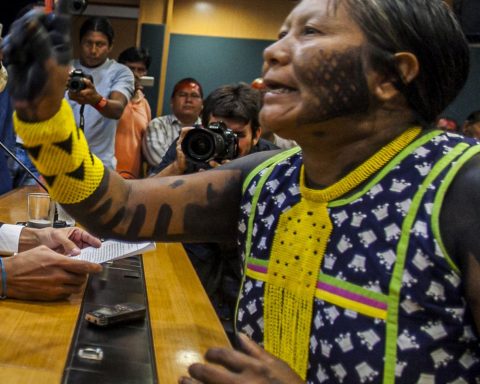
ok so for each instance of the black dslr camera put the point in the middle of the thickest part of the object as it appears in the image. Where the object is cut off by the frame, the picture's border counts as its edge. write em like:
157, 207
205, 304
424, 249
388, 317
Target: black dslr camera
76, 82
216, 142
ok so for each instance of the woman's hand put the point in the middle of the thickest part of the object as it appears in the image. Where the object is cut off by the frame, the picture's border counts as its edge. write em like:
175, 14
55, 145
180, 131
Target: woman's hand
253, 366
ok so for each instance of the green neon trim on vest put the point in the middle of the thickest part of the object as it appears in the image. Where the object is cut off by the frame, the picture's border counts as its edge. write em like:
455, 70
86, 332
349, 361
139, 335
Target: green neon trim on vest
267, 163
248, 240
438, 202
402, 248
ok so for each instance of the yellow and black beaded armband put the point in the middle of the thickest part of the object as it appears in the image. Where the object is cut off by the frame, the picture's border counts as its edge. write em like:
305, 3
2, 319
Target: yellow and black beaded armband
60, 152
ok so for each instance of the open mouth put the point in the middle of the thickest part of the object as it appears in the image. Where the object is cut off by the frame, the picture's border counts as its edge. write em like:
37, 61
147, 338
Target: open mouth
278, 88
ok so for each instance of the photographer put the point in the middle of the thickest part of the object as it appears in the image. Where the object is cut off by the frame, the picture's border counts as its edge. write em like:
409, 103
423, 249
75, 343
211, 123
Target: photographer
236, 105
103, 85
218, 265
135, 118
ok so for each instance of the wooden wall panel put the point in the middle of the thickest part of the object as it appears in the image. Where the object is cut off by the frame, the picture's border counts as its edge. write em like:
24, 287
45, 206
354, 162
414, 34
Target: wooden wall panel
227, 18
152, 11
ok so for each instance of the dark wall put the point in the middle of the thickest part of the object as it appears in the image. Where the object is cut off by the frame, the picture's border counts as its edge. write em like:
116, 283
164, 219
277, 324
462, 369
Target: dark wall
213, 61
469, 98
9, 11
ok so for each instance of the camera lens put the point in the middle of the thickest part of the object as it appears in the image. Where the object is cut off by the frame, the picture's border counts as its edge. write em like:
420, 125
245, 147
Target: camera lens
76, 84
199, 145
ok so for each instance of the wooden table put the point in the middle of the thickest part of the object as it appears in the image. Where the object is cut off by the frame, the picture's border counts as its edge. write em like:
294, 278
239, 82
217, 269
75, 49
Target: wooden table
35, 336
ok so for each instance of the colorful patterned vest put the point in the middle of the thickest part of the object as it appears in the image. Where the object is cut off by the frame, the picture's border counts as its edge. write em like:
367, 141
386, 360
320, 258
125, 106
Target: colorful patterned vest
386, 302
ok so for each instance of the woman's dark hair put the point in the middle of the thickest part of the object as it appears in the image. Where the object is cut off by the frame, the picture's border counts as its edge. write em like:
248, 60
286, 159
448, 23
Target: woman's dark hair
98, 24
133, 55
236, 101
429, 30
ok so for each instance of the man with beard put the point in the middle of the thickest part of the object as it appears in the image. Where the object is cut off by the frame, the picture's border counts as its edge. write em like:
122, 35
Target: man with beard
360, 247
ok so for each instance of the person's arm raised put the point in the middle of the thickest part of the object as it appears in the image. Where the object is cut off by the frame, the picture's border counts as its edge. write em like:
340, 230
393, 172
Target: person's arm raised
195, 207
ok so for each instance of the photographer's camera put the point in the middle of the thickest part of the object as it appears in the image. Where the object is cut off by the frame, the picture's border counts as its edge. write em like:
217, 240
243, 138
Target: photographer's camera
76, 82
216, 142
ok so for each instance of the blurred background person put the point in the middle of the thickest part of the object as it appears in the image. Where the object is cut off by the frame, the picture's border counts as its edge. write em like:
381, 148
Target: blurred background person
18, 175
7, 136
106, 92
471, 126
135, 118
186, 103
447, 124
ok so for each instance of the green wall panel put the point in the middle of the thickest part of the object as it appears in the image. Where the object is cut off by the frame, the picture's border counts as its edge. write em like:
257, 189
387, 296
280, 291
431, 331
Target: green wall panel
213, 61
152, 36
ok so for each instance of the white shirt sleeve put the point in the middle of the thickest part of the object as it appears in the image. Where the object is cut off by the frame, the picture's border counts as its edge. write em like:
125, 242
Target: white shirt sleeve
9, 238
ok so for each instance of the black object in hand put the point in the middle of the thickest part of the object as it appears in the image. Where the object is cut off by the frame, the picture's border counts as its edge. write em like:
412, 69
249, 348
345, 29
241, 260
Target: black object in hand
32, 40
76, 82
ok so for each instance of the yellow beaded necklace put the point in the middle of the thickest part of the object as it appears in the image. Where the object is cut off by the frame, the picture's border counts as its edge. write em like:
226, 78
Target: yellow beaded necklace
297, 251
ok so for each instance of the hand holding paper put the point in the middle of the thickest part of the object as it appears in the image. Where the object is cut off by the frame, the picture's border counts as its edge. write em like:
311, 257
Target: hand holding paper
113, 250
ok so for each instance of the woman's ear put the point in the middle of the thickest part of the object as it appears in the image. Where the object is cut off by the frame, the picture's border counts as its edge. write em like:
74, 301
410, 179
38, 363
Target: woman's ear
407, 70
407, 66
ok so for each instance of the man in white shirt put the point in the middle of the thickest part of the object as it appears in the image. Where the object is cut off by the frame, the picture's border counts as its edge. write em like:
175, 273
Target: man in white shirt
39, 266
102, 98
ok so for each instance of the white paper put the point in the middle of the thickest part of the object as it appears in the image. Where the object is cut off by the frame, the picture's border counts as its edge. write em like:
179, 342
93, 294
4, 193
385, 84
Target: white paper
113, 250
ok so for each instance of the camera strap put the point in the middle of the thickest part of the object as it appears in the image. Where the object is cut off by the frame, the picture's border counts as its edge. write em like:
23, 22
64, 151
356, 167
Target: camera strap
82, 117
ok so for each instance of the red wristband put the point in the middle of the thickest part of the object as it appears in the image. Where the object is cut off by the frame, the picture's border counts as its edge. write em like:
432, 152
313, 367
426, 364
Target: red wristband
101, 104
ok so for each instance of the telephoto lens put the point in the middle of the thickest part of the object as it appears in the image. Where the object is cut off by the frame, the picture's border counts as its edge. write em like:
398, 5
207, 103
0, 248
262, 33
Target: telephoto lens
199, 145
217, 142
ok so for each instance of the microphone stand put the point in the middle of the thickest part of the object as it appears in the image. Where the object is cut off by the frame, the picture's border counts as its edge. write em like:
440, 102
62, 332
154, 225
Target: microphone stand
23, 166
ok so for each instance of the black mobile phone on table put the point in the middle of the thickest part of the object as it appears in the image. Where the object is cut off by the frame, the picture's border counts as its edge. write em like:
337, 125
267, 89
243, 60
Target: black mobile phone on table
120, 313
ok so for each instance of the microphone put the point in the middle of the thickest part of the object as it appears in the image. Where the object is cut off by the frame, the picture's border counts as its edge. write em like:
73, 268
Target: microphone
23, 166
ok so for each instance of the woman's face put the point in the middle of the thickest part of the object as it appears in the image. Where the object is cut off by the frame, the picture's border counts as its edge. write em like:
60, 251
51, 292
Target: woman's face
315, 71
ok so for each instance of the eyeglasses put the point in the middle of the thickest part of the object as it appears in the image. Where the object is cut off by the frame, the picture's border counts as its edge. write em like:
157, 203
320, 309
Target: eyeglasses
192, 95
